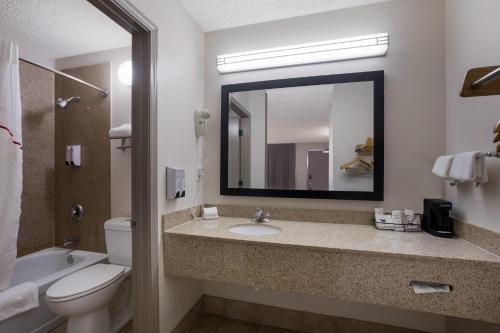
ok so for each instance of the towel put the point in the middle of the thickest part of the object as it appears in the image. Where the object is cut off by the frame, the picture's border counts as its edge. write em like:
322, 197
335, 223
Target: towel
442, 166
469, 167
18, 299
122, 131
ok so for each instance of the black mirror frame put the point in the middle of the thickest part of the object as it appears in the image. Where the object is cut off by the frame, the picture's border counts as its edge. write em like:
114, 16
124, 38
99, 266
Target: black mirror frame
377, 77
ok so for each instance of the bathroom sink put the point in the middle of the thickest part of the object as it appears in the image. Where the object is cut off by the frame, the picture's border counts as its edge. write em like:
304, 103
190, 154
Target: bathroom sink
254, 229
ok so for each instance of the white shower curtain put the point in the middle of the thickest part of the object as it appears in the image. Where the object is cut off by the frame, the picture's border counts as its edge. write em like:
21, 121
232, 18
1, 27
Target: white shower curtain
11, 159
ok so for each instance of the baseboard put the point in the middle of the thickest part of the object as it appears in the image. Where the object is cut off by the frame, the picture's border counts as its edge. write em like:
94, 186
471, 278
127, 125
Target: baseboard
288, 319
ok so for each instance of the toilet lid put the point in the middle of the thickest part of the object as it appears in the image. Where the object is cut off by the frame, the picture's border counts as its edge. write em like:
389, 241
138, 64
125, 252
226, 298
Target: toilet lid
85, 280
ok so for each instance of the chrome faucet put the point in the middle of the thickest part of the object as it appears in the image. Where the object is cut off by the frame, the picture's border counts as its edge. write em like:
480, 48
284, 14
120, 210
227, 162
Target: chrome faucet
261, 216
70, 241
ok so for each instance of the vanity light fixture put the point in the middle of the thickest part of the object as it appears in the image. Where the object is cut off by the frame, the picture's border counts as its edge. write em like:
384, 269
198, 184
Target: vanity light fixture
332, 50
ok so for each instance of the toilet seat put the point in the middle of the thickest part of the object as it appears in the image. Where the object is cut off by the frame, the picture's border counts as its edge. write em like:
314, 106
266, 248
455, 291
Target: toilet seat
84, 282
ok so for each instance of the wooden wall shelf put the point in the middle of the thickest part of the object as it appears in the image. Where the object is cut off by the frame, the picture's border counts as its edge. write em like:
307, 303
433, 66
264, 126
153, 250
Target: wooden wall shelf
487, 89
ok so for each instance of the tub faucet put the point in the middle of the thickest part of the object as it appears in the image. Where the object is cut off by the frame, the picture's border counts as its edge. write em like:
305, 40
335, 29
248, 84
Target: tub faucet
261, 216
76, 212
70, 241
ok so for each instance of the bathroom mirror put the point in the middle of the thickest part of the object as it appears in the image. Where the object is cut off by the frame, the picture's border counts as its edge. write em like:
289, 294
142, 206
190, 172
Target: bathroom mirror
308, 137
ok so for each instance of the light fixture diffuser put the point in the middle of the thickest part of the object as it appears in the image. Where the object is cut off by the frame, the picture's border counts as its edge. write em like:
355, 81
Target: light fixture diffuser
125, 73
332, 50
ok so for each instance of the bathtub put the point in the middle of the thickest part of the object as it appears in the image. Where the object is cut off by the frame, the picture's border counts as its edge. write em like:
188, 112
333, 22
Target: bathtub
44, 268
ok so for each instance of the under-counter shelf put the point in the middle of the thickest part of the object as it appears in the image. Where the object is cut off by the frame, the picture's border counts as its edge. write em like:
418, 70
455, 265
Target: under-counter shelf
352, 262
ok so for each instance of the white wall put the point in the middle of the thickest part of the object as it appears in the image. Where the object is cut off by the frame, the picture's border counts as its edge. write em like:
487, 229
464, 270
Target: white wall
414, 90
181, 52
329, 306
414, 120
352, 119
121, 102
233, 154
472, 29
257, 108
255, 166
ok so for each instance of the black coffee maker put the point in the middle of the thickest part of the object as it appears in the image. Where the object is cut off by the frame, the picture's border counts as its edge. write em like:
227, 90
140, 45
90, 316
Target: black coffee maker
437, 220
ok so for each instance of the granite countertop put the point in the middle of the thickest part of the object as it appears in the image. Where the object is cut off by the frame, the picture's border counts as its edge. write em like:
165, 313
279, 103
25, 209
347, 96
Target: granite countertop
341, 237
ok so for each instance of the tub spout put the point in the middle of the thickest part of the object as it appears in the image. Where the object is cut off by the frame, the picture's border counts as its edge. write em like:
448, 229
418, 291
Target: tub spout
70, 241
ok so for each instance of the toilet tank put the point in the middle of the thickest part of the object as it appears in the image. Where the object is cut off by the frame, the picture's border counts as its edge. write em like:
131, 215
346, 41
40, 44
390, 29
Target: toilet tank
118, 234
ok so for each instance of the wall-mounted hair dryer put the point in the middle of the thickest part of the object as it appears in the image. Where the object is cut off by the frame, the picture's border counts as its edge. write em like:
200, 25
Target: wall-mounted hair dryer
200, 122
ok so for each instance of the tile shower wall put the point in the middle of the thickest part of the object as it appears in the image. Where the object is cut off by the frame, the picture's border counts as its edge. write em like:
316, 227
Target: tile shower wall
84, 123
36, 229
121, 105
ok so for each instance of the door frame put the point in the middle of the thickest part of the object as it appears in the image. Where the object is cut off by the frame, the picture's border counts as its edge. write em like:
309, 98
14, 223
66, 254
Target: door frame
145, 273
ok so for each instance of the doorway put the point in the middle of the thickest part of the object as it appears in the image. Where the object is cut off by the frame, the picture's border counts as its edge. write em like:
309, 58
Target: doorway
144, 166
317, 170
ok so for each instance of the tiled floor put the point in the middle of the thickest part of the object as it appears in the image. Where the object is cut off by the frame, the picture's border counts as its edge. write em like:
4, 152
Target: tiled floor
213, 324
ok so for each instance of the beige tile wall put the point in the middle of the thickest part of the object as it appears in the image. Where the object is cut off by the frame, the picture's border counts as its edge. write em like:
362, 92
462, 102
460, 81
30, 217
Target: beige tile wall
36, 229
86, 123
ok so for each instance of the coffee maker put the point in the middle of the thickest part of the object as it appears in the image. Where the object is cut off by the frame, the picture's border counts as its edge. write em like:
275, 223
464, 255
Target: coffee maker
437, 220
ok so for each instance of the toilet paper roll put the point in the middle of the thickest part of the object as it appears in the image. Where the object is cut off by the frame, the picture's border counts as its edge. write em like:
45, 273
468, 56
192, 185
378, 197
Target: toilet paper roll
210, 213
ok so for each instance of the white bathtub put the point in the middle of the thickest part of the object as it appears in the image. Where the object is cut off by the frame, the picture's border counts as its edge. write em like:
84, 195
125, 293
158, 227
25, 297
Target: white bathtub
44, 268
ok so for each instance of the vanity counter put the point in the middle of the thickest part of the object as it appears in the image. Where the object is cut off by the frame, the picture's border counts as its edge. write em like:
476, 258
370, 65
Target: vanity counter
341, 237
351, 262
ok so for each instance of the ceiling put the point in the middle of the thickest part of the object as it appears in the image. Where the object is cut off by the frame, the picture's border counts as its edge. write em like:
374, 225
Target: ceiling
299, 114
223, 14
59, 28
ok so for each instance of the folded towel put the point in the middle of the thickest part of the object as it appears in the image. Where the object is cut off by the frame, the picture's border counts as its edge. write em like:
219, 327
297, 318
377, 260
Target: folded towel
18, 299
123, 131
442, 166
469, 167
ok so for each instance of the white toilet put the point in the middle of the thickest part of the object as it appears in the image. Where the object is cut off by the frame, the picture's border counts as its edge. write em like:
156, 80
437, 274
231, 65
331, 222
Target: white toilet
84, 296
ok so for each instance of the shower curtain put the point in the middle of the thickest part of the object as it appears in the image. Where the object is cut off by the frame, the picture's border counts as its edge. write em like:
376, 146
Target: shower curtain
11, 172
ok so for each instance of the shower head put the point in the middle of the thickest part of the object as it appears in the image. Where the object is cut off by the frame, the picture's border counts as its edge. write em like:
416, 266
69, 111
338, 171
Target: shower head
63, 103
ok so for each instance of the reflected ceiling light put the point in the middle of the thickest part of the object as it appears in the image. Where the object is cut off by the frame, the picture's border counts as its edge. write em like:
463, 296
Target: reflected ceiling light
309, 53
125, 73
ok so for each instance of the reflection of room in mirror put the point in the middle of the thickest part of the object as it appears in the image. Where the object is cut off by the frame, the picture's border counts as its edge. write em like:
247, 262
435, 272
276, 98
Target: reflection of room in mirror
247, 139
298, 138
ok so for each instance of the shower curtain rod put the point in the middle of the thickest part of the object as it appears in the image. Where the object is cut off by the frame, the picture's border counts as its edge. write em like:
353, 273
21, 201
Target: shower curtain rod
55, 71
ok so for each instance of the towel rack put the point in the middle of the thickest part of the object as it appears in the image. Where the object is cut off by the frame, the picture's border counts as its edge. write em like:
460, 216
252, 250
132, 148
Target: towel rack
124, 142
481, 155
489, 154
